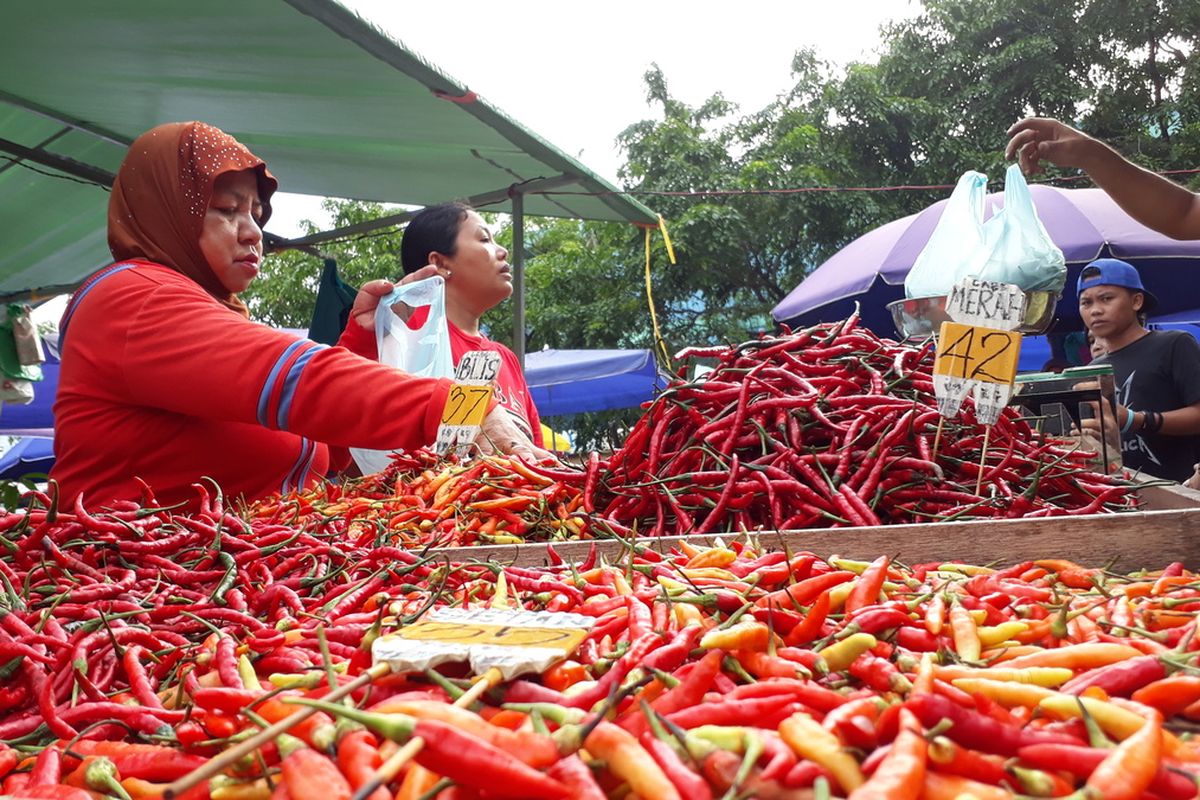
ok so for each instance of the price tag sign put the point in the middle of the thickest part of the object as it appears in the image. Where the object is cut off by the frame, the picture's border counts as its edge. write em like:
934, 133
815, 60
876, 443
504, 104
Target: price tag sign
510, 640
976, 361
467, 403
977, 352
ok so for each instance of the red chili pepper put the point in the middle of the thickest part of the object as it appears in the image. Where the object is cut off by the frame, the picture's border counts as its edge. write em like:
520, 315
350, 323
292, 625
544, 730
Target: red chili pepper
1121, 678
358, 758
1081, 761
575, 775
312, 776
688, 783
976, 731
954, 759
805, 591
810, 627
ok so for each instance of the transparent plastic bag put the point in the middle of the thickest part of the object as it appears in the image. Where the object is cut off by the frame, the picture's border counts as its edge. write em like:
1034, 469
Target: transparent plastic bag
1016, 247
1010, 247
957, 238
423, 350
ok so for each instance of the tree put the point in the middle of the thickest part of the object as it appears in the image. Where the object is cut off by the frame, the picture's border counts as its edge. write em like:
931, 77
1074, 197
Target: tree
284, 294
745, 194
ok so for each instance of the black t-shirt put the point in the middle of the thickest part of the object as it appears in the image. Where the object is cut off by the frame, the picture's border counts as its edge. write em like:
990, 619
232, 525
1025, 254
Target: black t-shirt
1159, 372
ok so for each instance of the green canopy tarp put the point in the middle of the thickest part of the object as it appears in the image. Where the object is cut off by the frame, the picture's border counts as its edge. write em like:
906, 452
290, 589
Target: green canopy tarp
334, 106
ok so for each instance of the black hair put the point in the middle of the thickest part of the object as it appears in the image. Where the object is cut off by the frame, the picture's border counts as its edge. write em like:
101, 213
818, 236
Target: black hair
433, 230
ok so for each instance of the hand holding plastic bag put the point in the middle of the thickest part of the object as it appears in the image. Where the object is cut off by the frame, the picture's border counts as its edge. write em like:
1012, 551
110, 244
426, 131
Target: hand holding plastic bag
1010, 247
423, 350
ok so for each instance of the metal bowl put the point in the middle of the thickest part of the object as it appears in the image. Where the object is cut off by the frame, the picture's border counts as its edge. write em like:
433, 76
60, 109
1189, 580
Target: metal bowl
919, 317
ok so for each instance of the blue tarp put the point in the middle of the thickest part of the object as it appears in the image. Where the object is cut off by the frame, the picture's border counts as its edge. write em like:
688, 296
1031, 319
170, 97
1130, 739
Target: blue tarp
573, 381
561, 381
30, 455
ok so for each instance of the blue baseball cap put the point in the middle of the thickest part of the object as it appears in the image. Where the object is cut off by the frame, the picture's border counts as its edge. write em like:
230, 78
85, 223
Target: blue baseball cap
1114, 272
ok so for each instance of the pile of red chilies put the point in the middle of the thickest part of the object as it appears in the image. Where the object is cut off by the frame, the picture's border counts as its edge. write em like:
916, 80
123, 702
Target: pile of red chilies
135, 643
832, 426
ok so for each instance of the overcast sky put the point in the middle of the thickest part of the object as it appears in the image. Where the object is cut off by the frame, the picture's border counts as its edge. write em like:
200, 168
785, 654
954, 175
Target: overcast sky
572, 72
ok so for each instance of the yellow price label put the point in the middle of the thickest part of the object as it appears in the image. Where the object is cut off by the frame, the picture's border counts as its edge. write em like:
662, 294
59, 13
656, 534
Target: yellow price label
466, 405
469, 633
969, 352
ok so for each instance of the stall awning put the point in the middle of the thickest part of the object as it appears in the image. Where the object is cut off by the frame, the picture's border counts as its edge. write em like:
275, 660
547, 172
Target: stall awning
333, 104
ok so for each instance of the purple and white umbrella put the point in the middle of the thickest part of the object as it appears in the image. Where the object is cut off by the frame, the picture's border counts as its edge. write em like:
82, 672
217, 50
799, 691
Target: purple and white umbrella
1085, 224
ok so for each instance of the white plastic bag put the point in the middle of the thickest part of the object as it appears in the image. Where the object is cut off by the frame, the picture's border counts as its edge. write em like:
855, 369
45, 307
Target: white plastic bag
422, 351
1010, 247
956, 239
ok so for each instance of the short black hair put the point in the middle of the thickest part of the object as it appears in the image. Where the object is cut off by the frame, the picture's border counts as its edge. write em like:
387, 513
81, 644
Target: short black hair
433, 230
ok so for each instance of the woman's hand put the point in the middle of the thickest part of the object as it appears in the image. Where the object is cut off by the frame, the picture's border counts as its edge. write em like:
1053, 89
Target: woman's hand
499, 434
367, 300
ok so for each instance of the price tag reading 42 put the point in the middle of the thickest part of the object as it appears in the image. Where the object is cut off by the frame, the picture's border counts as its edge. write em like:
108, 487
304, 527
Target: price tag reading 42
467, 404
977, 361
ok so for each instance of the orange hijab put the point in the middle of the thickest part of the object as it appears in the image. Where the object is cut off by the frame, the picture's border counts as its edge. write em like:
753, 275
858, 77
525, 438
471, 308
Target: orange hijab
161, 194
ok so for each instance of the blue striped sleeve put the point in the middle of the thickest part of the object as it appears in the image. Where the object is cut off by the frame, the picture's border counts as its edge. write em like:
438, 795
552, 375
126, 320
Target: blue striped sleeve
291, 381
265, 395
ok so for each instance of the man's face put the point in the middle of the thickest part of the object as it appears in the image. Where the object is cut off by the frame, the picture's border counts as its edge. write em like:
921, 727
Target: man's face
1108, 311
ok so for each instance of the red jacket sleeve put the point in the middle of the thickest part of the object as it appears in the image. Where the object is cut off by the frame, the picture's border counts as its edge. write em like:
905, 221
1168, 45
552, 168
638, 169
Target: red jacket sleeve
359, 340
188, 354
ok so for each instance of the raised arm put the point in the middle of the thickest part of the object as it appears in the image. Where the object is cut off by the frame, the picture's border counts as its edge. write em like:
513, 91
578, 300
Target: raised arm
1151, 199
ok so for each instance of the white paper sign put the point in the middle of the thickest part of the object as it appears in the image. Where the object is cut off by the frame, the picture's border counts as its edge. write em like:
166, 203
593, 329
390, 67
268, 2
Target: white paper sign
987, 304
515, 642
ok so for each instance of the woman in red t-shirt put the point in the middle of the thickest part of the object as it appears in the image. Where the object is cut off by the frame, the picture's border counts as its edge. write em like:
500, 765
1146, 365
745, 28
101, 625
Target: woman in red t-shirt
454, 238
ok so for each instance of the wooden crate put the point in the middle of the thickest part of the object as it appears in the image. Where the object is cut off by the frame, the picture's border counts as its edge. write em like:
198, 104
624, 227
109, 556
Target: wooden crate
1167, 530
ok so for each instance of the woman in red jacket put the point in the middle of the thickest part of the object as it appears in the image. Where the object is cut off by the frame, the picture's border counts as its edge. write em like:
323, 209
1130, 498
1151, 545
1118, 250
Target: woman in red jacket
453, 239
165, 379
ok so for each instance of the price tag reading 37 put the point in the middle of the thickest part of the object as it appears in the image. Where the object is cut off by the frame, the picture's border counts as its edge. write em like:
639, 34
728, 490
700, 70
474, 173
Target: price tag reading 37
467, 403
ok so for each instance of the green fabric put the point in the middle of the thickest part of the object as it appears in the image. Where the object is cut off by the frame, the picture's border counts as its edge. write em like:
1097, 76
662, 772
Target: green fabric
10, 361
333, 105
335, 298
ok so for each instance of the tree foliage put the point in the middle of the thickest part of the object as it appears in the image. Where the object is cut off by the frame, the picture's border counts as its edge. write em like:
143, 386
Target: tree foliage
744, 193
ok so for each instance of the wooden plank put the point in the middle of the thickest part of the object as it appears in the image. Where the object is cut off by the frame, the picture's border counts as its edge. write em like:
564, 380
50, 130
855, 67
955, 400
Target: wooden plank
1165, 498
1150, 539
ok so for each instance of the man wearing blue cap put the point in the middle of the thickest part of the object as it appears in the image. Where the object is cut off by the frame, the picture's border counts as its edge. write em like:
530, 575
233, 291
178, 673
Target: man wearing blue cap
1157, 372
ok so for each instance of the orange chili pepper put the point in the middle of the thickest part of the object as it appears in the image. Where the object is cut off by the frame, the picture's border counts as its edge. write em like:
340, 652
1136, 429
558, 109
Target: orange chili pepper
901, 774
868, 585
935, 614
1171, 695
965, 632
1128, 770
1077, 656
417, 782
951, 787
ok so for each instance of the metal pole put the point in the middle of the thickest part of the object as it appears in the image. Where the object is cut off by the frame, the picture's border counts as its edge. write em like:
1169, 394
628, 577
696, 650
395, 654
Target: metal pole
517, 260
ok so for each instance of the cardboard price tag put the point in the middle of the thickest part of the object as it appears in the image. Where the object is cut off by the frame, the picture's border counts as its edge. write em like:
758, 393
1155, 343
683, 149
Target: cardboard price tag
974, 353
512, 641
467, 403
981, 362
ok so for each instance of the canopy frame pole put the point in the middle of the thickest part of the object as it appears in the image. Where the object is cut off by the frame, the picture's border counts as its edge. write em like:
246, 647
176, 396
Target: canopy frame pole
517, 261
68, 166
479, 201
